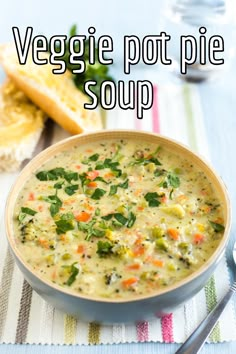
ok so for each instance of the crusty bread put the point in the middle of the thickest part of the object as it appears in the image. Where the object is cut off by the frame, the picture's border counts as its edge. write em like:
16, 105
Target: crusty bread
21, 124
55, 94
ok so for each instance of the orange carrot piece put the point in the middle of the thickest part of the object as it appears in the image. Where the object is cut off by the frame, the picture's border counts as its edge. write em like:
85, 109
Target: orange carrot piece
92, 184
198, 238
89, 150
140, 208
164, 199
158, 263
135, 266
109, 175
78, 167
40, 208
54, 274
31, 196
129, 282
80, 249
43, 243
138, 192
139, 250
173, 233
83, 216
92, 174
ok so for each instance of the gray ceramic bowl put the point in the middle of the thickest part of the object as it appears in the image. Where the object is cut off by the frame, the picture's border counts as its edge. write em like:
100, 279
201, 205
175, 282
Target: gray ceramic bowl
108, 310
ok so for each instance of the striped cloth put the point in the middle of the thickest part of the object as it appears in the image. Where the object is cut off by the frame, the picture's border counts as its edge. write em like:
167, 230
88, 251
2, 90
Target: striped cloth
26, 318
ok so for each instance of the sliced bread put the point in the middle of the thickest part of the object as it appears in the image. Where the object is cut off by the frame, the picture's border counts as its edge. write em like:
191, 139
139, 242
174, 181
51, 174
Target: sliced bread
21, 124
55, 94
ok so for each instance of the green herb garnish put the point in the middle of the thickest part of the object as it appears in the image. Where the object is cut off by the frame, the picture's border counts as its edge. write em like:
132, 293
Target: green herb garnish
71, 189
104, 248
173, 180
74, 272
25, 211
65, 223
98, 193
55, 202
217, 227
152, 199
131, 220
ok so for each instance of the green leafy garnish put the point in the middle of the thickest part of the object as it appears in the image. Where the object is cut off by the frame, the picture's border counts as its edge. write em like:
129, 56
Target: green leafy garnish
58, 185
55, 173
120, 218
96, 71
25, 211
98, 193
131, 220
107, 217
74, 272
113, 189
124, 185
71, 189
152, 199
71, 176
173, 180
28, 211
65, 223
104, 248
91, 158
55, 202
97, 212
217, 227
90, 230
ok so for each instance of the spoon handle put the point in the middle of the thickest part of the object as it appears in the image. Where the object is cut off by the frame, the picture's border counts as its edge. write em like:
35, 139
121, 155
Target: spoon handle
196, 340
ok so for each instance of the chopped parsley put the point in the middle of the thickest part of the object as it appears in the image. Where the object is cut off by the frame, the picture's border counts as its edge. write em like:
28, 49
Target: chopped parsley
152, 199
74, 272
217, 227
98, 193
104, 248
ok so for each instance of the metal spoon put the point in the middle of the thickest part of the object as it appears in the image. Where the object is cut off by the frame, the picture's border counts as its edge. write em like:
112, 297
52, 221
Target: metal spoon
195, 342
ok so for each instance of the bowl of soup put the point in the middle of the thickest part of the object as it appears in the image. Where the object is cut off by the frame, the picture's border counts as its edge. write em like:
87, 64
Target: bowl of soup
117, 226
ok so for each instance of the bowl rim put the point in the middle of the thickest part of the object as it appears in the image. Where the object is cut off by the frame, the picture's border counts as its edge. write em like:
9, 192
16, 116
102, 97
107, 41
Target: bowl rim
136, 134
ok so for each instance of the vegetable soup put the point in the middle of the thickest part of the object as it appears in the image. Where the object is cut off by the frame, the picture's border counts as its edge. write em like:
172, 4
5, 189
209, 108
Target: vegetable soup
117, 219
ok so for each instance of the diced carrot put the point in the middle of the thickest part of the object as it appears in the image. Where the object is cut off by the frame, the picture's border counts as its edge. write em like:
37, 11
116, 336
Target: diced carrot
206, 209
109, 175
140, 208
173, 233
134, 266
138, 192
92, 184
43, 243
62, 208
182, 198
80, 249
89, 150
69, 201
78, 167
88, 206
83, 216
54, 274
63, 237
219, 220
31, 196
92, 174
139, 250
129, 282
164, 199
40, 208
198, 238
157, 262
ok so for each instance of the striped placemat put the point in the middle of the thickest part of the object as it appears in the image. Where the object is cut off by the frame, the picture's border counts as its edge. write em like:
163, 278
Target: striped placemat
26, 318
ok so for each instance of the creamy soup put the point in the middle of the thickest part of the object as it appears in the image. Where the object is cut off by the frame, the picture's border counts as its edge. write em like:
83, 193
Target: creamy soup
117, 219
